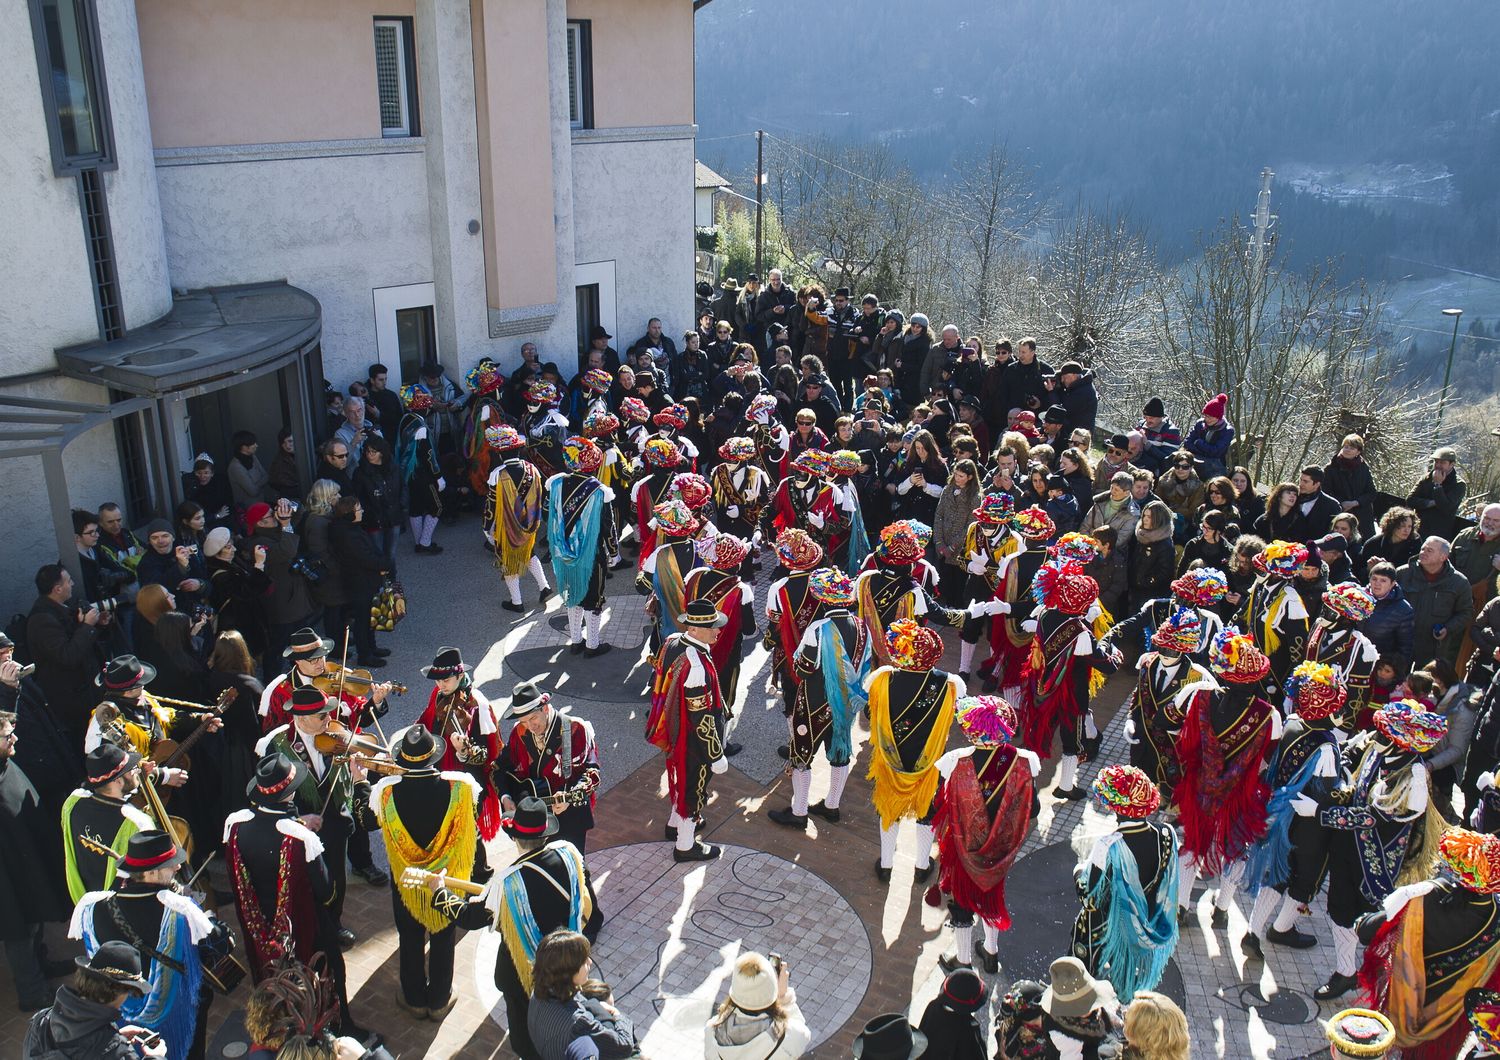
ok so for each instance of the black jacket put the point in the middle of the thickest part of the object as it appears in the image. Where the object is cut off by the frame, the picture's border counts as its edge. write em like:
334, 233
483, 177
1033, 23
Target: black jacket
1316, 522
379, 491
1344, 483
75, 1028
1021, 385
1081, 401
1437, 506
765, 306
360, 562
68, 658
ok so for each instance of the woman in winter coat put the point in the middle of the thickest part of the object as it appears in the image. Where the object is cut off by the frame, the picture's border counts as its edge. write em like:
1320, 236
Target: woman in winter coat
237, 588
1210, 438
1247, 500
1219, 496
1034, 488
924, 474
1240, 573
1073, 464
1279, 521
759, 1020
1152, 558
361, 566
913, 354
1398, 540
815, 313
1347, 527
1114, 508
1209, 547
377, 484
955, 510
1347, 479
1456, 702
1182, 490
328, 591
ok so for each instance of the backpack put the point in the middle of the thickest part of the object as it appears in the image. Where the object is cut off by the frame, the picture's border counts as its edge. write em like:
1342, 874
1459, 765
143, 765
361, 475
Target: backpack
1018, 1023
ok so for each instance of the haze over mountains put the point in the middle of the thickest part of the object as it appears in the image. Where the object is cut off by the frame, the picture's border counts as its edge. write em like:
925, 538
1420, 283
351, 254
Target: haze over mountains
1382, 119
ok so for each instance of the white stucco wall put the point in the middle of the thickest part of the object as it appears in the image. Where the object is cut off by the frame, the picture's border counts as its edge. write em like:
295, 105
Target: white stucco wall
633, 202
336, 226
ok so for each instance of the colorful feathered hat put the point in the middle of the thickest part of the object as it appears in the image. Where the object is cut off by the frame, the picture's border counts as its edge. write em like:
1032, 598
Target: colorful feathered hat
1202, 587
899, 545
1280, 559
673, 416
995, 509
1064, 587
913, 646
724, 552
661, 453
814, 462
845, 463
1473, 857
1074, 547
693, 489
738, 450
987, 721
1483, 1009
582, 456
1234, 657
675, 518
1349, 601
1180, 633
484, 377
797, 550
831, 586
761, 409
1316, 691
1410, 728
1126, 791
542, 392
416, 397
598, 380
635, 409
502, 437
599, 424
1032, 523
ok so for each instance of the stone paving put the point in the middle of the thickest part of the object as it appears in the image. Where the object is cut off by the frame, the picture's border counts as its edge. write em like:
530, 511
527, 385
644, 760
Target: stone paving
857, 948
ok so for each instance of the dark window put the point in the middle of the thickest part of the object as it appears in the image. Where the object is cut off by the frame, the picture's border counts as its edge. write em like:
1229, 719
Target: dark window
396, 77
587, 305
581, 74
74, 95
101, 249
416, 339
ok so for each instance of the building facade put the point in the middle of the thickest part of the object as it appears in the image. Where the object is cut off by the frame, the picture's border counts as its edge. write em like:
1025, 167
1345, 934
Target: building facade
446, 179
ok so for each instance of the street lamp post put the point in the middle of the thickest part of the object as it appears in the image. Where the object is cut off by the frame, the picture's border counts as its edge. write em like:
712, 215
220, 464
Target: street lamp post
1448, 370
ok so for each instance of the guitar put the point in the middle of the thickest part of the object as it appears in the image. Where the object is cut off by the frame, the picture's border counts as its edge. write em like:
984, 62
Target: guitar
171, 754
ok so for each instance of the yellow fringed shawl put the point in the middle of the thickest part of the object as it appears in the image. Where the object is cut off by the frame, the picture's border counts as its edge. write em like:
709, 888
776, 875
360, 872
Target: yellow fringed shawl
898, 793
451, 852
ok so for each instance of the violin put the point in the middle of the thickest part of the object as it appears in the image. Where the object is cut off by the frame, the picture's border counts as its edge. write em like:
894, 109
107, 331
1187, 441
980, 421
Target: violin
355, 681
360, 749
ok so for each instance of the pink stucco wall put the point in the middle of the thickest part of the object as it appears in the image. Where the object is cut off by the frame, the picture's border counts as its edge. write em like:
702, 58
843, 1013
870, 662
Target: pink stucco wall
643, 60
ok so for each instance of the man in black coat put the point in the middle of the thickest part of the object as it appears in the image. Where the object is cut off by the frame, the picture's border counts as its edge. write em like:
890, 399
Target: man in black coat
774, 305
41, 747
1315, 509
1021, 381
63, 638
1078, 396
1439, 495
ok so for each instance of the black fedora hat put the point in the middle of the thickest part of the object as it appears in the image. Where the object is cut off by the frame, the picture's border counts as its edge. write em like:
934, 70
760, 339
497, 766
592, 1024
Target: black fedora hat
532, 820
276, 779
889, 1037
151, 850
703, 614
446, 663
306, 644
123, 673
108, 762
418, 749
120, 963
525, 698
308, 701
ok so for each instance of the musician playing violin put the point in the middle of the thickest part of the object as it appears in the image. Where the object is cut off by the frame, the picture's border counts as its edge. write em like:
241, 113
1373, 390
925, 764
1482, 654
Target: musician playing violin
333, 797
460, 717
310, 667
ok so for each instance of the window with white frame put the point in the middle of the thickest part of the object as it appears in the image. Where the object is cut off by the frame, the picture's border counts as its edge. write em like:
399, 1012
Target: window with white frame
395, 77
580, 74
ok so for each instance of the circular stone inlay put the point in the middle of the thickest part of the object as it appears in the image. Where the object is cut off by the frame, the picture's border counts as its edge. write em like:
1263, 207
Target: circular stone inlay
672, 934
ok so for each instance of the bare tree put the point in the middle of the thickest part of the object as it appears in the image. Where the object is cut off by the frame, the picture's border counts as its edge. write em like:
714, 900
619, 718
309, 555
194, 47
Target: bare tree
993, 209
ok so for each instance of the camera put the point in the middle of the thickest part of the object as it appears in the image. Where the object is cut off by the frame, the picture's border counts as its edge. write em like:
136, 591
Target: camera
202, 611
26, 671
192, 549
292, 506
109, 605
301, 566
777, 961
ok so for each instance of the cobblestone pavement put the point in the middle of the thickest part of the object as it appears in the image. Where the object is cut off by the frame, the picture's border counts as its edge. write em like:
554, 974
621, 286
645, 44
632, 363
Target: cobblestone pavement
857, 948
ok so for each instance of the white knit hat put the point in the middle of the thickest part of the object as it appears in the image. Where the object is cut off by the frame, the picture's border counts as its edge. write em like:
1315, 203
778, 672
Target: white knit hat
754, 986
214, 543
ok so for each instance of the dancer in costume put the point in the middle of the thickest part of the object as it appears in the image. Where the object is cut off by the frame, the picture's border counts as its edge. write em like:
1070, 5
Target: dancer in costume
686, 724
771, 438
790, 605
663, 575
1274, 613
893, 585
923, 573
551, 755
694, 491
513, 513
1126, 931
1010, 640
543, 426
426, 815
309, 655
804, 500
1387, 829
662, 461
1287, 865
636, 415
985, 803
616, 474
1432, 942
1057, 683
583, 541
670, 423
462, 720
854, 545
485, 383
1200, 590
420, 473
911, 710
1336, 641
1221, 796
98, 818
168, 931
740, 488
1166, 685
831, 663
721, 584
594, 386
990, 550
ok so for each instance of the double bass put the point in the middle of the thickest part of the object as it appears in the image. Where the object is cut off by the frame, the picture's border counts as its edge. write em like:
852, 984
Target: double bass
148, 798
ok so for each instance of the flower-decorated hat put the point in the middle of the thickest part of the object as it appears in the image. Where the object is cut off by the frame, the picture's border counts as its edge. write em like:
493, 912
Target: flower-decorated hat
416, 397
635, 409
1316, 690
673, 416
1234, 657
582, 455
737, 450
845, 463
1280, 559
1064, 587
913, 646
599, 424
1410, 727
597, 380
813, 462
724, 552
831, 586
1203, 587
502, 437
1126, 792
1032, 523
1074, 547
761, 408
1349, 601
995, 509
899, 544
675, 518
797, 550
484, 377
693, 489
661, 453
1473, 857
542, 392
987, 721
1180, 633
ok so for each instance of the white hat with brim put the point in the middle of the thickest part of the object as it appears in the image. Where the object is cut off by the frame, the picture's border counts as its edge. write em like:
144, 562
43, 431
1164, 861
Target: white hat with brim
1074, 992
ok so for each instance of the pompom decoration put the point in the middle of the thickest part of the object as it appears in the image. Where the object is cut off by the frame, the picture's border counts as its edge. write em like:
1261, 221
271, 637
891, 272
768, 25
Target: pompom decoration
1031, 523
598, 380
1064, 587
502, 437
797, 550
1316, 690
1473, 857
1180, 633
635, 409
1280, 559
661, 453
1349, 601
987, 721
673, 416
1074, 547
845, 463
995, 509
737, 450
912, 646
1409, 727
484, 377
761, 409
542, 392
416, 398
899, 545
724, 552
814, 462
1234, 657
1126, 792
599, 424
693, 489
674, 519
1204, 587
582, 456
831, 586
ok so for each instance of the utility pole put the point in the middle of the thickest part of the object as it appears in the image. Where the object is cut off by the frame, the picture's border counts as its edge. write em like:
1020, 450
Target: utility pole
760, 193
1264, 221
1448, 370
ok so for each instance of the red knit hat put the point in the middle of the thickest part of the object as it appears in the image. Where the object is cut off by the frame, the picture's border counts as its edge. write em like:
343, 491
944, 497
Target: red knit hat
1216, 406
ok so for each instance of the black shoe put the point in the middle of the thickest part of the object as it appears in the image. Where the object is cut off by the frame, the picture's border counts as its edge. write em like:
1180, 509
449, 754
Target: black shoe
576, 648
374, 875
1337, 986
346, 939
732, 748
1070, 794
699, 852
670, 832
988, 685
819, 808
963, 675
433, 550
1184, 915
990, 962
788, 818
949, 962
1250, 946
597, 650
1220, 919
382, 652
882, 873
784, 752
374, 663
517, 608
546, 594
1293, 939
921, 875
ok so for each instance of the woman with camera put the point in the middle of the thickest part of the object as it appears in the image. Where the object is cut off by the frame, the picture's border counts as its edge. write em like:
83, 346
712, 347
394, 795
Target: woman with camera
317, 563
759, 1020
362, 567
237, 587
